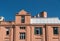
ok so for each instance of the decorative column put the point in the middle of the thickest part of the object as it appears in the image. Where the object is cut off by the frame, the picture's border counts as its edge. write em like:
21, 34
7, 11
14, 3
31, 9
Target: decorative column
43, 33
28, 33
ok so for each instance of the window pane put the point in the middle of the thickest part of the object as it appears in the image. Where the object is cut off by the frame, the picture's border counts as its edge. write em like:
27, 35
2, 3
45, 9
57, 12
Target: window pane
55, 30
38, 30
22, 35
7, 31
22, 27
22, 19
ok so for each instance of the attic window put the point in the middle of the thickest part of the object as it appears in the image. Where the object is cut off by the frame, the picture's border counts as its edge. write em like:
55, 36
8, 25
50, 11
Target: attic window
22, 19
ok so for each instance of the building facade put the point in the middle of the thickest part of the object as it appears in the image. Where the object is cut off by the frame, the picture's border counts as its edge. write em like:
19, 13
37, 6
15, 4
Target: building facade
30, 28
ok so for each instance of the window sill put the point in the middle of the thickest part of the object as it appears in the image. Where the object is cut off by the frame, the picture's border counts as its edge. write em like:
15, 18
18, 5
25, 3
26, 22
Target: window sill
38, 34
55, 34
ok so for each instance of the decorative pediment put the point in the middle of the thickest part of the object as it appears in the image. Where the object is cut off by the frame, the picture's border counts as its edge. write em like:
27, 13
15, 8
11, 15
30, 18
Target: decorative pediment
23, 12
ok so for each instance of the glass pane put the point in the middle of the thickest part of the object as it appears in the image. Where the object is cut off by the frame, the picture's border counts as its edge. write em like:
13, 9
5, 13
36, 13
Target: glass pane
38, 30
22, 35
23, 19
7, 30
55, 30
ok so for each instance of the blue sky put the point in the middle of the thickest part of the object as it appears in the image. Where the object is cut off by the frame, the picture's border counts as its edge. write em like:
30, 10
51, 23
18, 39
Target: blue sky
9, 8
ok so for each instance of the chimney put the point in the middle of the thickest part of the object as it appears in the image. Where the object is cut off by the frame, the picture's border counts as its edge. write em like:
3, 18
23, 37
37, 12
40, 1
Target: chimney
44, 14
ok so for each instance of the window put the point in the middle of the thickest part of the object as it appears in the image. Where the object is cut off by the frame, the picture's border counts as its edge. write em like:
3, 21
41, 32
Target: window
22, 27
22, 35
55, 30
38, 30
22, 19
7, 31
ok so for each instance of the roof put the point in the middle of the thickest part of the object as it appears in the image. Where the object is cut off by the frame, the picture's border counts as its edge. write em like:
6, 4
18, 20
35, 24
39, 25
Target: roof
45, 21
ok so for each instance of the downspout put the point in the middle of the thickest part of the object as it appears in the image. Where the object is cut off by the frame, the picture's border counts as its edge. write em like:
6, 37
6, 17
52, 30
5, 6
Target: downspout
45, 32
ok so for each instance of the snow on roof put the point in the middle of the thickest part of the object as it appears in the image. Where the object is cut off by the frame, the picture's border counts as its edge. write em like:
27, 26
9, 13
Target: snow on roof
45, 21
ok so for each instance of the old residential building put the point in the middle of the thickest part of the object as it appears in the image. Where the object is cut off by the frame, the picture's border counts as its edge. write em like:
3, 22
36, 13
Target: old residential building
28, 28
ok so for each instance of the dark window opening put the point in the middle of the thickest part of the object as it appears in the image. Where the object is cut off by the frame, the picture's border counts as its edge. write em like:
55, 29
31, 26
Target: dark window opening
7, 31
38, 30
22, 27
22, 19
55, 30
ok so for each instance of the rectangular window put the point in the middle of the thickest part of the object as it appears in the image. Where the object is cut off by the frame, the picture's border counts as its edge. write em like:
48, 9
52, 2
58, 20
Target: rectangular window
22, 35
22, 27
38, 30
22, 19
55, 30
7, 31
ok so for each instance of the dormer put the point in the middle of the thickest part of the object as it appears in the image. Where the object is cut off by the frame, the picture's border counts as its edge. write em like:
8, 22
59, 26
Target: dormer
22, 17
